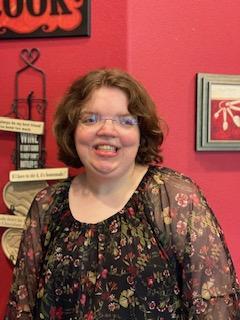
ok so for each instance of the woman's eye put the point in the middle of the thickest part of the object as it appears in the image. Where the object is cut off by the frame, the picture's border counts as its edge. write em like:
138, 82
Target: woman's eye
90, 119
128, 121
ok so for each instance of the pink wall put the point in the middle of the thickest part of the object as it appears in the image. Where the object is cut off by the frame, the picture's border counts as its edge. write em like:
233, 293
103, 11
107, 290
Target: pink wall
164, 44
62, 59
168, 43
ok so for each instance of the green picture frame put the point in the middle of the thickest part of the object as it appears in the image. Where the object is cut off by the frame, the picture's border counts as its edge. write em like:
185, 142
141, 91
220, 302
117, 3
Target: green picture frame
218, 112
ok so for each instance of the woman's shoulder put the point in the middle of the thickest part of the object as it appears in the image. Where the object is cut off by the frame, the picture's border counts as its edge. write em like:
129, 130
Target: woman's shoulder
45, 205
176, 190
47, 195
173, 179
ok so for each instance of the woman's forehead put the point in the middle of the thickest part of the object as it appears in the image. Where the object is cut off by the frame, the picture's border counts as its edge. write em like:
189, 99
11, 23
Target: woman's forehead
107, 99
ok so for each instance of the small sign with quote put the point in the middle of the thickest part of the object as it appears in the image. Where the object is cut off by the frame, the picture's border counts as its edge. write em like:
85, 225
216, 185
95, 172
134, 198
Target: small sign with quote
12, 221
38, 174
29, 153
18, 125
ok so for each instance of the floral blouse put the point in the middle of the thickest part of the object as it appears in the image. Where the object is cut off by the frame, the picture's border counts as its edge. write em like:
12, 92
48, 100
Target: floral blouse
163, 256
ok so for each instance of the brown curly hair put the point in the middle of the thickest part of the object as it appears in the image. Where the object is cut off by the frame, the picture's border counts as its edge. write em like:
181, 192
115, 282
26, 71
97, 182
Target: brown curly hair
140, 105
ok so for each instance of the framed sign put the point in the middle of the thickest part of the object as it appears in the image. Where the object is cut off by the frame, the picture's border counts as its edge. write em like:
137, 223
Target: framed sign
29, 151
44, 18
218, 112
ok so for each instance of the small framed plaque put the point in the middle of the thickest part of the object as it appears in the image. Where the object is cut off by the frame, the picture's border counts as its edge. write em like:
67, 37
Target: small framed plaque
218, 112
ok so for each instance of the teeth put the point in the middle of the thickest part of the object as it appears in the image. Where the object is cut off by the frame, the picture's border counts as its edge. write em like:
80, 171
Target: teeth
106, 147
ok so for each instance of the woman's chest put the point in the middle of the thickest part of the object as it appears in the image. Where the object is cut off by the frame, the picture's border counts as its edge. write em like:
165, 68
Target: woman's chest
119, 262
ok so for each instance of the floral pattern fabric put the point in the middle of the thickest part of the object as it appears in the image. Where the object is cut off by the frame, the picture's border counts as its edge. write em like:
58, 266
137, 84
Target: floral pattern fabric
163, 256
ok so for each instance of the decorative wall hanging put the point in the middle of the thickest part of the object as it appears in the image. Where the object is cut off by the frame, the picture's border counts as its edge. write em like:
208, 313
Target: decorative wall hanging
31, 106
10, 243
18, 197
44, 18
28, 109
218, 112
27, 119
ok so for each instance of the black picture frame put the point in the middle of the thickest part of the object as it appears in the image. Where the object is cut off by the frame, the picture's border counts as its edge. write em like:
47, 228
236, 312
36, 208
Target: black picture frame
218, 112
82, 30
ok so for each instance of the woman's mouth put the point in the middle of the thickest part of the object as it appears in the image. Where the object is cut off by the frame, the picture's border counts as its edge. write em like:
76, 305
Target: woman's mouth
106, 147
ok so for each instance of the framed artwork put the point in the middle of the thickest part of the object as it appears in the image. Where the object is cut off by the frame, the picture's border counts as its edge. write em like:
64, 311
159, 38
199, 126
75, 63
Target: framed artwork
218, 112
43, 18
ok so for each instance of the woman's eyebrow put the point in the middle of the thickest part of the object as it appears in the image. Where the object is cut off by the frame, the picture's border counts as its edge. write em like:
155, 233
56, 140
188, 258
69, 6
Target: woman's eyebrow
117, 115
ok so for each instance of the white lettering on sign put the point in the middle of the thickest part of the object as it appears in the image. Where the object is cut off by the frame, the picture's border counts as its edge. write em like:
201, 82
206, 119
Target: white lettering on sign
31, 156
27, 138
29, 148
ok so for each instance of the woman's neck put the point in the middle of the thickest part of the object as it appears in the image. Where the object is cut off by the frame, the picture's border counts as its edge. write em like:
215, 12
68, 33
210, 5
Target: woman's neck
100, 186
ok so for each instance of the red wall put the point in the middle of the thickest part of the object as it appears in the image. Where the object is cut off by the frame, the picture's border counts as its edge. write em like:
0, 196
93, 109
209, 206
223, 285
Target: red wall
62, 59
168, 43
164, 44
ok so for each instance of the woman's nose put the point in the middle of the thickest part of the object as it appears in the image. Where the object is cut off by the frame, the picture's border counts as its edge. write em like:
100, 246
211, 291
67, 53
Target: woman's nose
107, 126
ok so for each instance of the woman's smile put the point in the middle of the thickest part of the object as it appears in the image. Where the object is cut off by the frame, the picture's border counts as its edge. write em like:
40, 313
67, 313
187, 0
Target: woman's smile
106, 150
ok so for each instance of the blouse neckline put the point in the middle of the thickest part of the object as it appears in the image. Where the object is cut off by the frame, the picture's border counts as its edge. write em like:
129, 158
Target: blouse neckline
108, 220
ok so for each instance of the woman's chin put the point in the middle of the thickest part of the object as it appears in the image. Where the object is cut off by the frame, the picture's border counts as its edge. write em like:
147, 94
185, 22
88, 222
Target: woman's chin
109, 169
105, 169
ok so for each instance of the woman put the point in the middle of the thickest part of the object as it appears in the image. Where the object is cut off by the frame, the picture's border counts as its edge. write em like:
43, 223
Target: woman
126, 238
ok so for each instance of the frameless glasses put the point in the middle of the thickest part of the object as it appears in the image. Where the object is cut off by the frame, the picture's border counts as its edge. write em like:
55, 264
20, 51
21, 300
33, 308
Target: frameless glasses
96, 120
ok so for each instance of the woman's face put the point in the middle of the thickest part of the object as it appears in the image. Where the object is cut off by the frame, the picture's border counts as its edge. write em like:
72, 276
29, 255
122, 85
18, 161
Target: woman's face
106, 147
